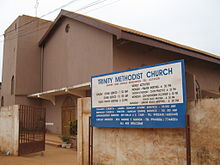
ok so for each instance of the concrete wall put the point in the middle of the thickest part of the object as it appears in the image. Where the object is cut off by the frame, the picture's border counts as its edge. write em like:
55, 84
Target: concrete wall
129, 55
84, 112
154, 146
71, 58
205, 131
139, 146
9, 129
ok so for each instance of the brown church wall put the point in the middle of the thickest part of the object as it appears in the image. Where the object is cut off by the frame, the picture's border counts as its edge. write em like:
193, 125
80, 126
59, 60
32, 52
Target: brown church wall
24, 100
22, 58
9, 62
129, 55
71, 58
28, 71
54, 114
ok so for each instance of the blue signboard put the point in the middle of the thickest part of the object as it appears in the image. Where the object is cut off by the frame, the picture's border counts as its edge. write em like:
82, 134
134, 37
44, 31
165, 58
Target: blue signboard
147, 97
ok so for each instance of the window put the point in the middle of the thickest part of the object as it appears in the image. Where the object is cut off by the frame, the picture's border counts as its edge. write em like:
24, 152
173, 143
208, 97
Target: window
12, 85
2, 101
67, 28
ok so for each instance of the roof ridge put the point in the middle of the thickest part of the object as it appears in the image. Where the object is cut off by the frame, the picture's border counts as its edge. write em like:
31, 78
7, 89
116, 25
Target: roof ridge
117, 29
126, 29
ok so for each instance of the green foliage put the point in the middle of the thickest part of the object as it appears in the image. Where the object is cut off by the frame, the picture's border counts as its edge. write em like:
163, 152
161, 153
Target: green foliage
73, 127
65, 138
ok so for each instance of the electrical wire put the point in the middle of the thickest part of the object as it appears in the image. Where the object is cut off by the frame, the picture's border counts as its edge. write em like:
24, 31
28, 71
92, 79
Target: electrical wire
16, 35
20, 35
83, 8
67, 4
102, 6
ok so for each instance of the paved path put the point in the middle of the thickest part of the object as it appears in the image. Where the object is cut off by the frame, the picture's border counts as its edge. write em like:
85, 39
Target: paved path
52, 156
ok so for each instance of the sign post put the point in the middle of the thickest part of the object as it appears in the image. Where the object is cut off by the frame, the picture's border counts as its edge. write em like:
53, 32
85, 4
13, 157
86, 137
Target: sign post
147, 97
188, 141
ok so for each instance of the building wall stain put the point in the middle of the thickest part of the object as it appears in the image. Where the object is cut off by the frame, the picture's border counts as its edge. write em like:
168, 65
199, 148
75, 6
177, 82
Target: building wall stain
9, 125
205, 132
163, 146
138, 146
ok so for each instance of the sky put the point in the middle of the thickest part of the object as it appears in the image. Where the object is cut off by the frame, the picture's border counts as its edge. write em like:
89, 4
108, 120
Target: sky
194, 23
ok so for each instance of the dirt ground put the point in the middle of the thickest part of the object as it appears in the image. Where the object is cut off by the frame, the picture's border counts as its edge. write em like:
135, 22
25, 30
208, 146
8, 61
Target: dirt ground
52, 156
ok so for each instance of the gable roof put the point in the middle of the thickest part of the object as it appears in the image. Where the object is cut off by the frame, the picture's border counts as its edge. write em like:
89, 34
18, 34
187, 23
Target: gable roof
132, 35
32, 20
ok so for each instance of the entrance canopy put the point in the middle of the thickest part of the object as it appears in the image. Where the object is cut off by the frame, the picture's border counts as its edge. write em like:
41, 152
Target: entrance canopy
78, 90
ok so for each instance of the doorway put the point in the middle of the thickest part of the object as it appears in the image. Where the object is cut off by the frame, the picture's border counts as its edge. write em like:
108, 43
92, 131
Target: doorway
69, 113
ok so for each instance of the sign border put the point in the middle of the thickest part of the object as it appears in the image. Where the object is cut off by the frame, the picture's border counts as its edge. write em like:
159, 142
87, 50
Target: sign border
149, 66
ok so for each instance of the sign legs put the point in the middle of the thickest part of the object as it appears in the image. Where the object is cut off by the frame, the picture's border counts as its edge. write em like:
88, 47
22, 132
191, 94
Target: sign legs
188, 140
90, 142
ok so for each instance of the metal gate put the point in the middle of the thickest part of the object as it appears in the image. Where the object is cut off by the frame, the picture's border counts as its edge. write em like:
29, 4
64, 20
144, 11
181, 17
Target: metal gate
31, 129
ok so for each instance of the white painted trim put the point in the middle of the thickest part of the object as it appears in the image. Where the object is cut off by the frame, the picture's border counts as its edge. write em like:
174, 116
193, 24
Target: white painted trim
78, 89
